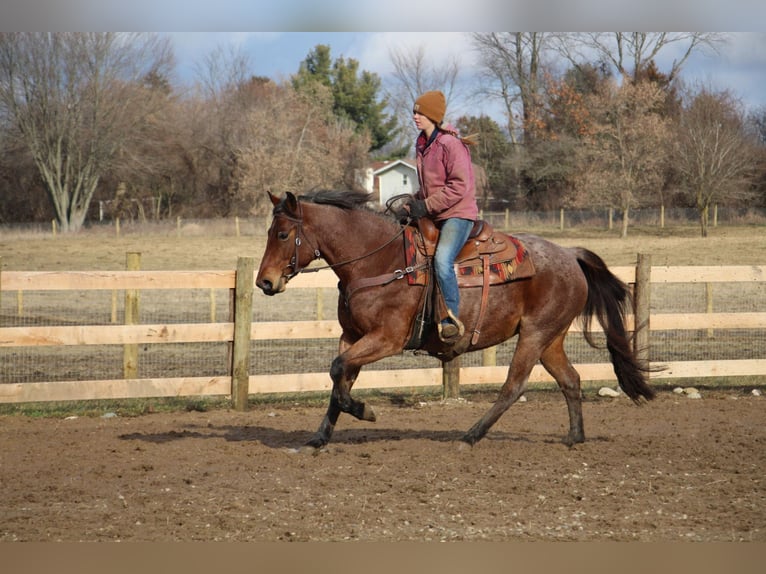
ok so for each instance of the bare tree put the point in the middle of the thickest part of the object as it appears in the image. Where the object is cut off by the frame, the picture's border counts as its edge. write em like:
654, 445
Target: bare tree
225, 83
414, 74
715, 153
153, 169
253, 135
631, 52
73, 99
626, 155
513, 66
295, 142
221, 72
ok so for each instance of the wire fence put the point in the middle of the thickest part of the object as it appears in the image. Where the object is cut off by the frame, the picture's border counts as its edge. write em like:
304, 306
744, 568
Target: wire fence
62, 363
54, 308
595, 218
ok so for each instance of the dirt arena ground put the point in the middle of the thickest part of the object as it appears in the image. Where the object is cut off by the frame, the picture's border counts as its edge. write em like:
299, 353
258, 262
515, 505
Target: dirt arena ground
676, 469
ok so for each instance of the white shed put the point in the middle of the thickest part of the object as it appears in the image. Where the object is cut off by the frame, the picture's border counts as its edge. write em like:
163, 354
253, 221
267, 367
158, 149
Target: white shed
389, 178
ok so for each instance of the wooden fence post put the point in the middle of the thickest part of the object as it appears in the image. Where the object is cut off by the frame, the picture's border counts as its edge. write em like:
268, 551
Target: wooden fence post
709, 305
641, 303
489, 357
451, 378
243, 318
130, 351
212, 305
320, 304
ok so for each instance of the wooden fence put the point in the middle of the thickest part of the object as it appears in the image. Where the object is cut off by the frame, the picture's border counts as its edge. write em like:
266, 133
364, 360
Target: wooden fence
240, 330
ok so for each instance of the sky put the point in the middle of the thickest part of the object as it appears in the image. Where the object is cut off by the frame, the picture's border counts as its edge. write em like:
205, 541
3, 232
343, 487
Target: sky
739, 65
278, 35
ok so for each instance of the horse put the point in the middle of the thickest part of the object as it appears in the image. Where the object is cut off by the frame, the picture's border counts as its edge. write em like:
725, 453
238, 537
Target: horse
377, 305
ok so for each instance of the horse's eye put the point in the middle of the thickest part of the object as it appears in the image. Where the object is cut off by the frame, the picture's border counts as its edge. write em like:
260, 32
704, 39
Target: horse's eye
283, 235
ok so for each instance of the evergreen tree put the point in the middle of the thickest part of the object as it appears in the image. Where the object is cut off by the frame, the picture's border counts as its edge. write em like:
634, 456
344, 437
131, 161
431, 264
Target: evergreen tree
354, 93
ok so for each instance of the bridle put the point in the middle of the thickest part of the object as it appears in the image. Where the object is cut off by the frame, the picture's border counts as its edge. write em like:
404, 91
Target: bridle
294, 264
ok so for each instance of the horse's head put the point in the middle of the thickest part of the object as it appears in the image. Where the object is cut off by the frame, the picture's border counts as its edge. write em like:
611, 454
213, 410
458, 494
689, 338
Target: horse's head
283, 257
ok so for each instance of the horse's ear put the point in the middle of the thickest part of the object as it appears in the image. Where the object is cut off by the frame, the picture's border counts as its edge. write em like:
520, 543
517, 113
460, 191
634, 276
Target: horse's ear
291, 202
274, 199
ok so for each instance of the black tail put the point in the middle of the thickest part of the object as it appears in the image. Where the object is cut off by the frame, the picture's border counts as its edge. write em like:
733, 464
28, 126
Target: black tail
609, 299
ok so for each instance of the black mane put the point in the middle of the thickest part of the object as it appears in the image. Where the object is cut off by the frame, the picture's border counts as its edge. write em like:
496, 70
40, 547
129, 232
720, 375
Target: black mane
342, 199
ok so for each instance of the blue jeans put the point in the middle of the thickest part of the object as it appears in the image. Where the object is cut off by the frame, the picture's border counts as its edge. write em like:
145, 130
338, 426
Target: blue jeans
453, 235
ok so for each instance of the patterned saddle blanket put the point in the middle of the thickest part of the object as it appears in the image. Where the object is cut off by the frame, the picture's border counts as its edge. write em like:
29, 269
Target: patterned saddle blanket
503, 256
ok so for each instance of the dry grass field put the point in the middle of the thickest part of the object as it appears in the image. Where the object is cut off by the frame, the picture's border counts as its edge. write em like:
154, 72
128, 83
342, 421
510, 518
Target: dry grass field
218, 248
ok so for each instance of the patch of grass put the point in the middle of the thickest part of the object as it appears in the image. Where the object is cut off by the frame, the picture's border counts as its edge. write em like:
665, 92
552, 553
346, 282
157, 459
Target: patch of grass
121, 407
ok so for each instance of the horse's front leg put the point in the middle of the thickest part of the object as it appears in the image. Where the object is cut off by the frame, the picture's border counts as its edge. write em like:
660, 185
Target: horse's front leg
337, 402
343, 372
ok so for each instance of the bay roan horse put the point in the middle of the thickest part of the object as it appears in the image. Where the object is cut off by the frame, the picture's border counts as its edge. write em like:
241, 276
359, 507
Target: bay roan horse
359, 243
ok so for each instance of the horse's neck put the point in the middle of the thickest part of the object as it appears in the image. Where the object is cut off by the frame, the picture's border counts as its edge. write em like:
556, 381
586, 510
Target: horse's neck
354, 236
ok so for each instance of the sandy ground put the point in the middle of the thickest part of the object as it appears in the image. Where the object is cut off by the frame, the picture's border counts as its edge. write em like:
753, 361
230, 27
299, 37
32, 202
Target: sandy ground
676, 469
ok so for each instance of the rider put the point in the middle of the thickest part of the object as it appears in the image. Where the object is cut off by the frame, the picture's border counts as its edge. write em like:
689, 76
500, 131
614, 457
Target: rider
447, 194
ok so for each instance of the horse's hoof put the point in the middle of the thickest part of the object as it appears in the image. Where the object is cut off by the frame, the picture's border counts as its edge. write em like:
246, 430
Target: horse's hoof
305, 449
313, 445
466, 443
570, 441
309, 449
368, 414
463, 446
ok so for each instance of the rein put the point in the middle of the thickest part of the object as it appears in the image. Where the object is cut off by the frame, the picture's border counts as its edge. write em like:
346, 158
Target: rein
294, 264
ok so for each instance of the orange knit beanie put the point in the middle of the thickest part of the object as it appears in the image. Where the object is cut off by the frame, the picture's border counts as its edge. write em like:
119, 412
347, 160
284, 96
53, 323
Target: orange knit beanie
432, 105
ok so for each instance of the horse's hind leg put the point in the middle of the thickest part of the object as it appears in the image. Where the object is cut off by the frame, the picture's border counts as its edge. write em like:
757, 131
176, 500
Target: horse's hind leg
524, 358
556, 362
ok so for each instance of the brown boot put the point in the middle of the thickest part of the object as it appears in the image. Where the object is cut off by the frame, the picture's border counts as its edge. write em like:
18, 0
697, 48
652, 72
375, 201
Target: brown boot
452, 330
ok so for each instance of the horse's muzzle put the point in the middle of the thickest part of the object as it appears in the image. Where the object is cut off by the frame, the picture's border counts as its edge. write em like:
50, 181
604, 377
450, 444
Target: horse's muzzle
269, 288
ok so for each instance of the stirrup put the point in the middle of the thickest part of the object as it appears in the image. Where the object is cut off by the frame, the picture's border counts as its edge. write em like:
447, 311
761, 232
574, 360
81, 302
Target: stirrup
451, 332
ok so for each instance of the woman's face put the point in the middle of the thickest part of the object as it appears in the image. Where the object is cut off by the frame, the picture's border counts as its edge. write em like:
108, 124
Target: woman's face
423, 123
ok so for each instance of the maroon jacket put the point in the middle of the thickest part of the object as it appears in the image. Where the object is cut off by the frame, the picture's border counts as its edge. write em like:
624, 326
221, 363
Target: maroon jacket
445, 174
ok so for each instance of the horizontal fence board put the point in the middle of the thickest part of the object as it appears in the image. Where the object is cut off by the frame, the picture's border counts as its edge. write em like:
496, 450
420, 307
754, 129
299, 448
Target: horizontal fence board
689, 321
115, 334
327, 329
325, 278
307, 382
322, 279
624, 273
708, 274
295, 383
699, 369
265, 330
491, 375
94, 280
114, 389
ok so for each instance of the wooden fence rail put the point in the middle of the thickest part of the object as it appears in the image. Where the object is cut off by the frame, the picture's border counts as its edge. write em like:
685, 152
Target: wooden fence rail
239, 331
